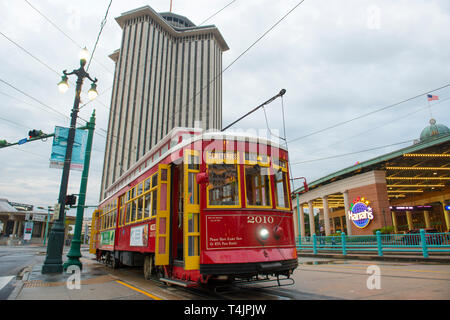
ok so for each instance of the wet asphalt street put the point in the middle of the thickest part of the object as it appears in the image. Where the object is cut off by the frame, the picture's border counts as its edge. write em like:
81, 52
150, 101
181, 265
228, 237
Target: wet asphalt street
13, 259
314, 279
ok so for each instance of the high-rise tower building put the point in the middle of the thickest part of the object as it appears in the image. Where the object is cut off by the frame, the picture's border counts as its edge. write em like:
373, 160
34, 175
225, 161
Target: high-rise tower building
167, 74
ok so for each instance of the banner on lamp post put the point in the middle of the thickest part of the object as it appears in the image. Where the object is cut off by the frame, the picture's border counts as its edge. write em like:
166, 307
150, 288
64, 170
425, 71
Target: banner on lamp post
60, 145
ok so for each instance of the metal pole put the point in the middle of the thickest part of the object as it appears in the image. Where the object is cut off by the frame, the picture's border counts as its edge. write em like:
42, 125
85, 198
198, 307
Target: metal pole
282, 92
53, 260
46, 225
75, 247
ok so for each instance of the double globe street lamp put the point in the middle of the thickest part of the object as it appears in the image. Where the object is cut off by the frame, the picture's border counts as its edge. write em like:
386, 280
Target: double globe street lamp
53, 260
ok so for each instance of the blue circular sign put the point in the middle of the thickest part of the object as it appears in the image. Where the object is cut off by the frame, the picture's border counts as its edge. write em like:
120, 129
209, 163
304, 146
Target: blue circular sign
361, 214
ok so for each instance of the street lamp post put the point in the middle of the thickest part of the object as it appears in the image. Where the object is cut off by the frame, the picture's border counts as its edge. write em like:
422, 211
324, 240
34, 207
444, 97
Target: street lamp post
75, 246
53, 260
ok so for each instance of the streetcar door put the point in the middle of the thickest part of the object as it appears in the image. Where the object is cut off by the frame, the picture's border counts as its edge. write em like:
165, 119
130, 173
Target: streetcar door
163, 216
191, 214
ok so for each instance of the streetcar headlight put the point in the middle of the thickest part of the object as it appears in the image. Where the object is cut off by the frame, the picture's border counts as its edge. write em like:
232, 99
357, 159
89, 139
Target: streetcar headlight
263, 233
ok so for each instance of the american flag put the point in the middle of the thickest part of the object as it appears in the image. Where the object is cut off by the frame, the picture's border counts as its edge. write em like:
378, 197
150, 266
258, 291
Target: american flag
432, 97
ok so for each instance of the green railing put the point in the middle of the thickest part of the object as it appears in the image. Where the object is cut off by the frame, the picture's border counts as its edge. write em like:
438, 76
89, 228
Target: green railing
413, 243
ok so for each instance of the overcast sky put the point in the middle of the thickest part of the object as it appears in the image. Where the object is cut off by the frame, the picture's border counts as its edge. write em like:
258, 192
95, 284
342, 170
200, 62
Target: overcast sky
337, 60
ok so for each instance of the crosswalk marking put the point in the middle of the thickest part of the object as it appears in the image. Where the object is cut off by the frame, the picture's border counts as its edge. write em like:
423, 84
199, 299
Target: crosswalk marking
4, 281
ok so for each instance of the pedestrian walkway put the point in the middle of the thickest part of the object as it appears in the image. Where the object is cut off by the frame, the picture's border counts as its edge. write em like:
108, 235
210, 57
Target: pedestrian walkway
93, 283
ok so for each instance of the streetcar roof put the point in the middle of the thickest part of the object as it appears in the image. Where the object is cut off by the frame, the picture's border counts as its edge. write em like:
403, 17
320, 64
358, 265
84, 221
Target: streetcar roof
189, 135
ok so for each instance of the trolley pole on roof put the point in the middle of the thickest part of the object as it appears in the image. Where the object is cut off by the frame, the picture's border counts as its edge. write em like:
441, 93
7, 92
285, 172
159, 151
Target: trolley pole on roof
75, 246
280, 94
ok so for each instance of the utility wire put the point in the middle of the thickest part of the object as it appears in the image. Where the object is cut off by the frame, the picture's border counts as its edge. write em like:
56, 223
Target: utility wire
30, 54
236, 59
34, 99
65, 34
98, 37
367, 114
230, 3
351, 153
378, 127
46, 105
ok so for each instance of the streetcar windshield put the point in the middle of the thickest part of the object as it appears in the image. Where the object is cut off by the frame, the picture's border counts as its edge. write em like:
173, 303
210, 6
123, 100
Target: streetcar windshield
223, 174
224, 187
281, 186
257, 180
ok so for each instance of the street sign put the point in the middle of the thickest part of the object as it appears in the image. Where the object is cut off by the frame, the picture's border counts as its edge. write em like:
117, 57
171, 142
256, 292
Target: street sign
22, 141
56, 212
39, 217
28, 230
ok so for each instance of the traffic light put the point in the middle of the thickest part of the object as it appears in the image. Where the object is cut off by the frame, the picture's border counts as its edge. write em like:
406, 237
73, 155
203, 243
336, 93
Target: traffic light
35, 133
71, 200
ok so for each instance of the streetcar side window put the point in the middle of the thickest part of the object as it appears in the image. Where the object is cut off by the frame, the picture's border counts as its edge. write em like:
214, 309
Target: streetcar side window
154, 202
147, 202
281, 185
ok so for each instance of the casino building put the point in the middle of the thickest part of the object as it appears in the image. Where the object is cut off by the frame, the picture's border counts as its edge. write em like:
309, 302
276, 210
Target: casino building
400, 191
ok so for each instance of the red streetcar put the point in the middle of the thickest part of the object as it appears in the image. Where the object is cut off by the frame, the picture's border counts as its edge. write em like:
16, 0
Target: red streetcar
201, 206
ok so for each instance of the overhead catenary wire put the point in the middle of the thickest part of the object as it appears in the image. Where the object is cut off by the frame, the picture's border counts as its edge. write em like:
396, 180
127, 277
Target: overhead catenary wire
403, 116
355, 152
62, 31
29, 53
237, 58
217, 12
367, 114
102, 24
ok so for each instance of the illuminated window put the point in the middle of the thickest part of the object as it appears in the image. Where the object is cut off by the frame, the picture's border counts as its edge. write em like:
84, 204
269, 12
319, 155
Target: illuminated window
257, 185
281, 186
147, 205
223, 189
257, 180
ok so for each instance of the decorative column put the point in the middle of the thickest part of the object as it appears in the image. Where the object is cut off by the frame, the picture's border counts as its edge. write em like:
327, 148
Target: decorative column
394, 221
15, 228
446, 214
426, 216
302, 220
347, 209
326, 217
296, 218
312, 226
409, 219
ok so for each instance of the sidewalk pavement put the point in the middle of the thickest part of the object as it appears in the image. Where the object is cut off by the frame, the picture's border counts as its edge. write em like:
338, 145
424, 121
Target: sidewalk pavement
97, 284
94, 284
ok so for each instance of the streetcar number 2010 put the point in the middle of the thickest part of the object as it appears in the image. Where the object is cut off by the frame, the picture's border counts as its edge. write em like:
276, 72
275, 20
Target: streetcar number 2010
259, 219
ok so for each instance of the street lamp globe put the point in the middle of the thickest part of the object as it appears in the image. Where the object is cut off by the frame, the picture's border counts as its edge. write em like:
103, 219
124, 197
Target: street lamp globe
84, 54
92, 93
63, 86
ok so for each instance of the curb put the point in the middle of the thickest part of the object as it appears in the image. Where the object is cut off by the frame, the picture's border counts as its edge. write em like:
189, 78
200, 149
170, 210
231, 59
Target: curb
379, 258
25, 274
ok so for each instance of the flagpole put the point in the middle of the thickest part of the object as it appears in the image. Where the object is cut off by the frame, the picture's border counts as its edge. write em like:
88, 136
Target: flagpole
429, 109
